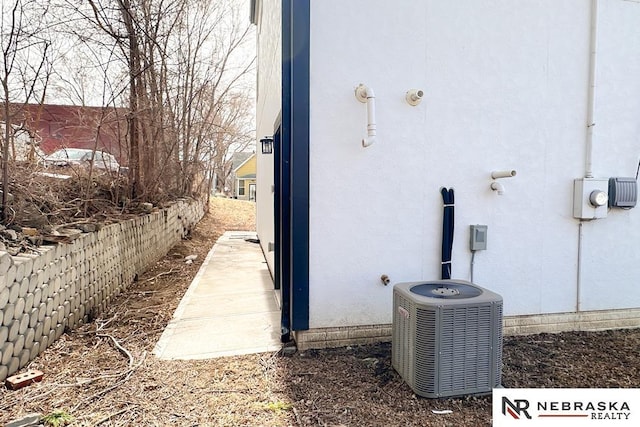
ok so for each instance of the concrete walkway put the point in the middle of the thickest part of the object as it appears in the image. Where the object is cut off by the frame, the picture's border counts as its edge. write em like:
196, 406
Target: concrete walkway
230, 307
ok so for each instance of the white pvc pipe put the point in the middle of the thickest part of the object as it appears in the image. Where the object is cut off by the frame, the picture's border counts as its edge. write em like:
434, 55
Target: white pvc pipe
503, 174
579, 272
365, 94
591, 103
371, 118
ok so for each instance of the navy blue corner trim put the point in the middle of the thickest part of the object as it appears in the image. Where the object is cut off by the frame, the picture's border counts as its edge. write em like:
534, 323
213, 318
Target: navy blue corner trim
295, 126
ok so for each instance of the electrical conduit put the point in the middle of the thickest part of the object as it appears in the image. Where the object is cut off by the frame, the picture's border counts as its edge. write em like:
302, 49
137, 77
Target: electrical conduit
591, 102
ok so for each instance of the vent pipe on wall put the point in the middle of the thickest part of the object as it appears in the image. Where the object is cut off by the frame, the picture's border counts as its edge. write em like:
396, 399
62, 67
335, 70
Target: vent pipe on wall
366, 95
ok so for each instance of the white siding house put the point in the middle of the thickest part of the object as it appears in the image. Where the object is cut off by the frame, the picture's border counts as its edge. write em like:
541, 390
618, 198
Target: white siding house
547, 88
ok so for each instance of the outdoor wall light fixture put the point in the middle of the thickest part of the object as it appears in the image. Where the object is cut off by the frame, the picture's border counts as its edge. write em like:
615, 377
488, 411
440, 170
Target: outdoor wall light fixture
267, 145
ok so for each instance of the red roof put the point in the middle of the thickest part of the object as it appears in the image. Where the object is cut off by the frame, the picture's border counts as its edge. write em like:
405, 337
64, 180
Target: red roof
57, 126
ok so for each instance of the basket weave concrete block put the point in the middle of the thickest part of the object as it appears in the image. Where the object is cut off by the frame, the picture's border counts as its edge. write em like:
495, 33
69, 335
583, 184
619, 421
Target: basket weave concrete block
4, 298
23, 323
19, 308
14, 292
39, 330
35, 350
24, 264
37, 296
24, 357
7, 314
10, 275
46, 325
18, 345
42, 312
14, 331
29, 338
4, 334
13, 365
44, 343
59, 330
6, 261
28, 302
45, 291
33, 317
6, 353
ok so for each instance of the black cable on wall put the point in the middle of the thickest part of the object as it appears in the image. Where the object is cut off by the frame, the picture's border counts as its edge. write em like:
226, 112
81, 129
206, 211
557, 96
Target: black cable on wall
447, 231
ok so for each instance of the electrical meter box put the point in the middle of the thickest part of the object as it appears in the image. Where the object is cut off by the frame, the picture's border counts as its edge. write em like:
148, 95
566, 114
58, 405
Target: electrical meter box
590, 198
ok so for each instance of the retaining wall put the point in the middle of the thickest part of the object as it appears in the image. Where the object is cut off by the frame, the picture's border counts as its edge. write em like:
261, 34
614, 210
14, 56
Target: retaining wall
64, 285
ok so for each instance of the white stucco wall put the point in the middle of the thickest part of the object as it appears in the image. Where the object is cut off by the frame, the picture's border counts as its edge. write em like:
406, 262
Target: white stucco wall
268, 107
505, 88
611, 269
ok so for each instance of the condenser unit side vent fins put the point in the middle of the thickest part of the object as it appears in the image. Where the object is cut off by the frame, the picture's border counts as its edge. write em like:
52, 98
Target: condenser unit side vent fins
426, 352
497, 322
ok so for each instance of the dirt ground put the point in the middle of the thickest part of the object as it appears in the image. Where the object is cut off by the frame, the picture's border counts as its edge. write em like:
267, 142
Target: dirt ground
104, 373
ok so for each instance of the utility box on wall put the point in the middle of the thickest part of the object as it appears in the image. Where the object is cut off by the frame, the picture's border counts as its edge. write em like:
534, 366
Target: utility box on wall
590, 198
623, 192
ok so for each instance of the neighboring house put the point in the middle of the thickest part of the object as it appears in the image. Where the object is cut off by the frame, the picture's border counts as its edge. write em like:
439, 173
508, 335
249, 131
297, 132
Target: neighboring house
58, 126
550, 89
244, 178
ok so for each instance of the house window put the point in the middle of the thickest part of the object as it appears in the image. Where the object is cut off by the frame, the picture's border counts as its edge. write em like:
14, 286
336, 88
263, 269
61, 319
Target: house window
241, 187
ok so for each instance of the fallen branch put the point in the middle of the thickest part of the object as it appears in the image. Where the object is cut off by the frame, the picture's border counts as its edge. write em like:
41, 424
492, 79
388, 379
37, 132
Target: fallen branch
165, 273
295, 412
127, 374
119, 347
108, 417
102, 325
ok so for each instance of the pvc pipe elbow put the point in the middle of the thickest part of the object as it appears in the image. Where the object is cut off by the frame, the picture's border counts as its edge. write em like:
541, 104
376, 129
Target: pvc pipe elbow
369, 92
368, 141
496, 186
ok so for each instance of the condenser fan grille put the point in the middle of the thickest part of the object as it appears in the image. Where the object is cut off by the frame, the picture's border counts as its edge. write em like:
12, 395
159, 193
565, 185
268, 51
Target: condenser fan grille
449, 290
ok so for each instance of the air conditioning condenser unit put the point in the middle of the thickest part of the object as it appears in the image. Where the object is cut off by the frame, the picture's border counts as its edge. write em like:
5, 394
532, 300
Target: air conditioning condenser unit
447, 337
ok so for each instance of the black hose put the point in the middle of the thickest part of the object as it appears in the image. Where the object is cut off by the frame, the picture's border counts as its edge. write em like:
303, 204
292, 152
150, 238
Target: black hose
447, 231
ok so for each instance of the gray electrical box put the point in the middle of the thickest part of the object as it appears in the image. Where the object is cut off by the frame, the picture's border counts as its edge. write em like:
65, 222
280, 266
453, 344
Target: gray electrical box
590, 198
478, 237
623, 192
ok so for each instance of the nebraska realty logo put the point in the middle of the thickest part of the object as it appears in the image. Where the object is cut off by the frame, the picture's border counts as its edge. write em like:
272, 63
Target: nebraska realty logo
578, 407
